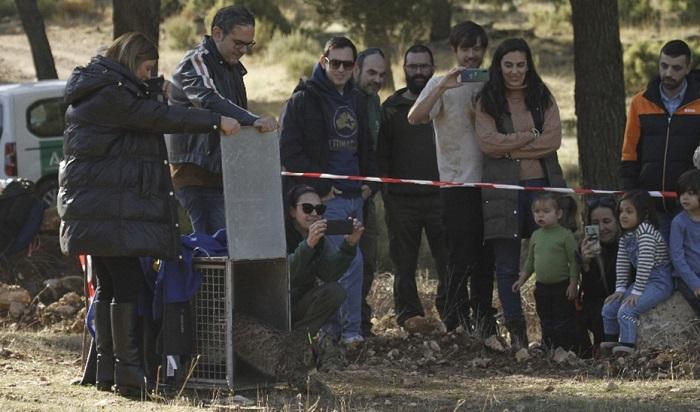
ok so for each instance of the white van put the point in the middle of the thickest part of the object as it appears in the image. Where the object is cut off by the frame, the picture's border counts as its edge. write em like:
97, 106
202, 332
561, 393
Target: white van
32, 118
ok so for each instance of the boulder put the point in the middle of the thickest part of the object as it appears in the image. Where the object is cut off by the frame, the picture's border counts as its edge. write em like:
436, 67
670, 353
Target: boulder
13, 293
671, 324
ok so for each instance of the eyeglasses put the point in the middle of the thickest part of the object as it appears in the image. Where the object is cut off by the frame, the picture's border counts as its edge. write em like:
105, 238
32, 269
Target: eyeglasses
418, 67
308, 208
335, 64
240, 45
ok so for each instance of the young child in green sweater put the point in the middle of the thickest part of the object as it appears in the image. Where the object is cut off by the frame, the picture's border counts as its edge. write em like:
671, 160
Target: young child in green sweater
552, 257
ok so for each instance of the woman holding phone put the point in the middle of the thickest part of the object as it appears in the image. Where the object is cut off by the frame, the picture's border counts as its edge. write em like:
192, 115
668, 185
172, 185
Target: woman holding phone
519, 131
598, 258
312, 257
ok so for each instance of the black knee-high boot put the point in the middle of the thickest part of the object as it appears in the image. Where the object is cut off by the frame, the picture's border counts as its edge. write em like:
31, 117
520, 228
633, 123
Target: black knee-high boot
128, 369
104, 347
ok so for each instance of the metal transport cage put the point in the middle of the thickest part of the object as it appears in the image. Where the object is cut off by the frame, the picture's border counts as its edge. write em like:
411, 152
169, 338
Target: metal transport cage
254, 278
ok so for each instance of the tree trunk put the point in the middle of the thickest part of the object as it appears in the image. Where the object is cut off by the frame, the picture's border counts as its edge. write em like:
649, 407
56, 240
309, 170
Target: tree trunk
33, 24
137, 15
441, 20
376, 36
599, 91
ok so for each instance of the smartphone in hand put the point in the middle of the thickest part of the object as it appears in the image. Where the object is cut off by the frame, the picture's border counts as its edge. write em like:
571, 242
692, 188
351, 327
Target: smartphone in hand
593, 234
473, 75
339, 227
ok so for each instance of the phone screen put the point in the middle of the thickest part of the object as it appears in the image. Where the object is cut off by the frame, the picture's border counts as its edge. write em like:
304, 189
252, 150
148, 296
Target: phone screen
339, 227
474, 75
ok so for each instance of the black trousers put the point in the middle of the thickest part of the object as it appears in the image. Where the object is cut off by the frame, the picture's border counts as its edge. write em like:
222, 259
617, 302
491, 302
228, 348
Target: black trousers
557, 315
407, 216
119, 278
469, 258
314, 308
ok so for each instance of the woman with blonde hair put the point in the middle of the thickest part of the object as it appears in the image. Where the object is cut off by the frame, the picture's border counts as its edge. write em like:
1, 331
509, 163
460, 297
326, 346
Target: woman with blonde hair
115, 199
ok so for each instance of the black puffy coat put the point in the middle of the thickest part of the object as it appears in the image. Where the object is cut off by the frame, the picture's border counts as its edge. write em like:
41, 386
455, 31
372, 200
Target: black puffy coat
115, 196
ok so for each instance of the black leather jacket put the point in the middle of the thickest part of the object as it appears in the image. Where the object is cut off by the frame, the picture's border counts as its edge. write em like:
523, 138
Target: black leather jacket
203, 79
115, 196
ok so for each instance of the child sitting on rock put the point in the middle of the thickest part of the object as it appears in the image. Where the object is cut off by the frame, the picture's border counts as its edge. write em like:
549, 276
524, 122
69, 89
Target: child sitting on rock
552, 257
685, 238
643, 247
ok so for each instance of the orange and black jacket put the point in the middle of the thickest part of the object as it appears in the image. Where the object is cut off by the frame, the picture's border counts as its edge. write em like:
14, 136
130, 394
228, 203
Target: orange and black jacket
658, 146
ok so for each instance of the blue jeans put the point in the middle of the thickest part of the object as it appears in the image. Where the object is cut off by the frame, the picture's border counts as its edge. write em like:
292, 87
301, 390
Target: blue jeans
204, 206
346, 322
507, 253
689, 296
622, 320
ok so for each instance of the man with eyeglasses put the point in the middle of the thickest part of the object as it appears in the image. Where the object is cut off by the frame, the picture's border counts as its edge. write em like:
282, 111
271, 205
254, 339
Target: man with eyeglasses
369, 76
408, 152
448, 103
325, 129
211, 76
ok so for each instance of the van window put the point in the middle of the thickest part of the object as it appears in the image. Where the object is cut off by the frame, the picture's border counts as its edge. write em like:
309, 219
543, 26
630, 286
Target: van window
46, 118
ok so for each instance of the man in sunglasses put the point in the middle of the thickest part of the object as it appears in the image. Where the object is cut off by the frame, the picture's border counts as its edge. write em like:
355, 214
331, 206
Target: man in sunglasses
408, 151
325, 129
448, 103
211, 76
369, 76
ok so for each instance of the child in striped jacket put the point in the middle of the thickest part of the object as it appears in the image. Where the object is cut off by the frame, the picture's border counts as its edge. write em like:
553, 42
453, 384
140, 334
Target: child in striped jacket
643, 247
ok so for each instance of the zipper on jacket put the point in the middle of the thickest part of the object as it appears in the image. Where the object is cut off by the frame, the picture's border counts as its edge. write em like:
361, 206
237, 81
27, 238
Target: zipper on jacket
663, 169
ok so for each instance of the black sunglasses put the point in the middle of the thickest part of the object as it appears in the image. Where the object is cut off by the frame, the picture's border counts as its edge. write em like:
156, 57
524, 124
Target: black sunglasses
335, 64
607, 201
308, 208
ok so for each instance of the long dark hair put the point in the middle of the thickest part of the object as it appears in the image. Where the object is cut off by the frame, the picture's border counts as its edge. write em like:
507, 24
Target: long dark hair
493, 95
643, 204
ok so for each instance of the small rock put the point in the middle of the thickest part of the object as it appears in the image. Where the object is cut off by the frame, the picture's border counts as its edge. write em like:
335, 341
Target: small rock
13, 293
493, 343
549, 388
387, 402
522, 355
560, 355
393, 354
16, 309
611, 386
481, 362
434, 346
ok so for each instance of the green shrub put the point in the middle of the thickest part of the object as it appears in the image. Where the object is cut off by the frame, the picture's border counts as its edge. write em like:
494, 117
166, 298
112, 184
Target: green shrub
181, 32
640, 64
296, 51
637, 11
7, 8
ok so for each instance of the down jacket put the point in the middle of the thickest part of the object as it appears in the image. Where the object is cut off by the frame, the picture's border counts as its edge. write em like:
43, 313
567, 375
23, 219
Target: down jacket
115, 195
658, 146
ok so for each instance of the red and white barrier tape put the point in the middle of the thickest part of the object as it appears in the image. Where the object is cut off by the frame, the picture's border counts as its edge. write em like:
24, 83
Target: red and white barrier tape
579, 191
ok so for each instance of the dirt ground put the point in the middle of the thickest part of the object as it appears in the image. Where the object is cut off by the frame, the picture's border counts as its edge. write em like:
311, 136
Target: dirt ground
391, 372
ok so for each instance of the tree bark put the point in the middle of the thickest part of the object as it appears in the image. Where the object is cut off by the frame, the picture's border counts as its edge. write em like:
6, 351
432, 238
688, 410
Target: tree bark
137, 15
441, 20
33, 24
599, 91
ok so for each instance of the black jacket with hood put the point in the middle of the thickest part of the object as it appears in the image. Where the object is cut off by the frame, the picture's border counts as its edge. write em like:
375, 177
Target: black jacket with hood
304, 136
115, 196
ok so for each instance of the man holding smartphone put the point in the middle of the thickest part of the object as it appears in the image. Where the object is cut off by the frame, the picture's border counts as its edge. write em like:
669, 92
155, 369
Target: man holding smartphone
325, 129
448, 103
